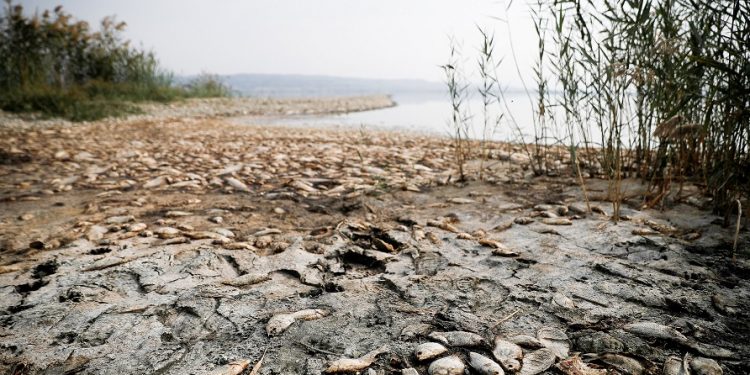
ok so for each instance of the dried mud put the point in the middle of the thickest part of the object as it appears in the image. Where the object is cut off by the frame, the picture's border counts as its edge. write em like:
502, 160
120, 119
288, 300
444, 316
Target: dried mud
366, 227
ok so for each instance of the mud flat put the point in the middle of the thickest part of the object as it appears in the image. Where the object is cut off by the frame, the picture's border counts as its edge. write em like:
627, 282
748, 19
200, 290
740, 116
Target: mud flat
178, 245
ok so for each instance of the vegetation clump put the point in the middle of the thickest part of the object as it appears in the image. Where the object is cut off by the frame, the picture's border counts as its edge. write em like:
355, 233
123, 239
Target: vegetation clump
58, 66
654, 89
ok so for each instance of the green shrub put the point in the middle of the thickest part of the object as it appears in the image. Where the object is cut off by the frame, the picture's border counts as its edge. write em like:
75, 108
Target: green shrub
57, 66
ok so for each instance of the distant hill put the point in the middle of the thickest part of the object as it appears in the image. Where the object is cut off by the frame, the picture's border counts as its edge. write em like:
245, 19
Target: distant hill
283, 85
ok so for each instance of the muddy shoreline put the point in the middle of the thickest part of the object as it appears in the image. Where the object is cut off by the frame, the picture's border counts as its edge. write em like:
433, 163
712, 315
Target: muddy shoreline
169, 245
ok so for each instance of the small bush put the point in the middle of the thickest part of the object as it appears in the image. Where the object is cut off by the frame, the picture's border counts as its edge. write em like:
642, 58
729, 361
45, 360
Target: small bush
57, 66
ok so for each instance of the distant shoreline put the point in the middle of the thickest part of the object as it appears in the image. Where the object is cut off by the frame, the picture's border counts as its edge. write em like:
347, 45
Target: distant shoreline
221, 107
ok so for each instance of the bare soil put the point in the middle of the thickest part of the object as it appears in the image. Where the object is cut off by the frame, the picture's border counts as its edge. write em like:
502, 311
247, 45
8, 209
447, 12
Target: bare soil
369, 227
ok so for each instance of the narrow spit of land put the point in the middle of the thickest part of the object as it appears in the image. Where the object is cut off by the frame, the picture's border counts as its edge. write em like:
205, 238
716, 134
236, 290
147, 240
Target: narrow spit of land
176, 242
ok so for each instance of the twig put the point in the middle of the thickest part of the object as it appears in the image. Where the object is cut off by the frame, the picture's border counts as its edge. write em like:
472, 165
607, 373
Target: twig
737, 231
310, 347
503, 320
583, 185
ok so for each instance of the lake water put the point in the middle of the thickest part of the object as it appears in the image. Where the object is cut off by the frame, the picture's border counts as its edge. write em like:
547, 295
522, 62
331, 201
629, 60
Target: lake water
431, 113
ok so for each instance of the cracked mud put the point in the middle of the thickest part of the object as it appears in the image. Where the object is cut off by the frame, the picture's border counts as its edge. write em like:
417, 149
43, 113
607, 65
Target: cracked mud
177, 248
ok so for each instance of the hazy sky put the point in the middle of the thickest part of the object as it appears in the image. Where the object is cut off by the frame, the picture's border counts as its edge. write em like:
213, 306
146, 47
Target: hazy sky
354, 38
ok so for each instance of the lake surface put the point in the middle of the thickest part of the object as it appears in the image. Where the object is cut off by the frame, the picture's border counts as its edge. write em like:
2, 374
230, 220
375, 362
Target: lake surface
422, 106
430, 113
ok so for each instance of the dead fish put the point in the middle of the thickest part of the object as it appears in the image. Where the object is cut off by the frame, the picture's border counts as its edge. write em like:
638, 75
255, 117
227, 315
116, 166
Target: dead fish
156, 182
382, 245
644, 232
661, 228
175, 241
429, 350
234, 368
523, 220
246, 279
237, 184
484, 365
503, 226
224, 232
355, 364
137, 227
461, 200
448, 227
464, 236
575, 366
203, 235
622, 363
166, 232
280, 322
177, 214
490, 243
554, 340
557, 221
432, 237
710, 350
504, 252
447, 366
547, 230
526, 341
266, 232
119, 219
238, 246
676, 366
508, 354
537, 362
598, 210
656, 331
563, 301
705, 366
417, 234
457, 338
